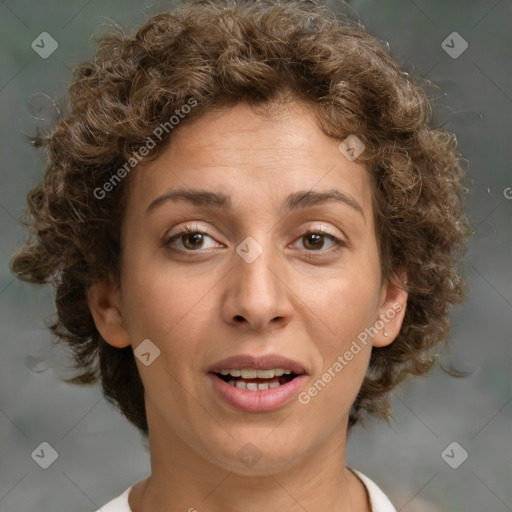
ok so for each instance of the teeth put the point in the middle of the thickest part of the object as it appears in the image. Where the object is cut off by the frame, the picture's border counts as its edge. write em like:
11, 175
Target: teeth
256, 374
233, 373
253, 386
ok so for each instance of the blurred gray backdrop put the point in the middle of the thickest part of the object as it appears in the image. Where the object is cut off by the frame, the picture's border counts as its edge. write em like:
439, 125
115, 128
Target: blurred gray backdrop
98, 453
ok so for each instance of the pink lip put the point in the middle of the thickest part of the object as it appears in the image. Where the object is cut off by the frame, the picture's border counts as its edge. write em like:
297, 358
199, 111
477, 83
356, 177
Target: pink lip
257, 401
265, 362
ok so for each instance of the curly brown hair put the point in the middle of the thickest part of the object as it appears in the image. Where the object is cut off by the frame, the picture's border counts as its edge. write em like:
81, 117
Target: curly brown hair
220, 53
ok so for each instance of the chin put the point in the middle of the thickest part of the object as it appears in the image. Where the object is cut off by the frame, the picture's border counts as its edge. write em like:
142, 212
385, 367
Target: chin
258, 454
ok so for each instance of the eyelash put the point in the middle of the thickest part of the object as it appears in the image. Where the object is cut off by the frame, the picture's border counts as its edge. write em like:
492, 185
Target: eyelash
194, 229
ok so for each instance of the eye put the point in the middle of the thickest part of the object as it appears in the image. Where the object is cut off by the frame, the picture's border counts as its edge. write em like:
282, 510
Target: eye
314, 240
191, 239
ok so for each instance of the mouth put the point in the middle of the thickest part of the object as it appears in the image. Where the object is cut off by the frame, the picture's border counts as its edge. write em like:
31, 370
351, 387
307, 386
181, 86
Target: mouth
256, 380
257, 384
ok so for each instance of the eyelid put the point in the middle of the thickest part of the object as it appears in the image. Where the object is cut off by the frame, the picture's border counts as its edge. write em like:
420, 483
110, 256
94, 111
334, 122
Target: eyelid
320, 228
339, 241
196, 228
189, 228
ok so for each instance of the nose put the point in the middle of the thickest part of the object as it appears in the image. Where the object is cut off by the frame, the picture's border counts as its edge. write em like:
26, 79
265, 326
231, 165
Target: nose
257, 294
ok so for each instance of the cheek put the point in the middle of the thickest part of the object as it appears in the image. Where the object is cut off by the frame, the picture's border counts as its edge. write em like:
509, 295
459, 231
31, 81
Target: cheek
346, 355
343, 351
158, 298
348, 302
169, 308
347, 307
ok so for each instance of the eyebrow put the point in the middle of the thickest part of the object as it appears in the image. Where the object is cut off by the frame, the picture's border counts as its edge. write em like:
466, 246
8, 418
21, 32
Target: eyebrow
219, 200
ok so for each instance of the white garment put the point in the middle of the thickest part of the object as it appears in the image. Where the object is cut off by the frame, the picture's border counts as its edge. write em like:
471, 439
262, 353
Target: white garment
378, 500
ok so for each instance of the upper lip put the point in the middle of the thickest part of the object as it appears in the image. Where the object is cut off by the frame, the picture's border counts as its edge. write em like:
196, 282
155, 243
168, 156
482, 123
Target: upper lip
266, 362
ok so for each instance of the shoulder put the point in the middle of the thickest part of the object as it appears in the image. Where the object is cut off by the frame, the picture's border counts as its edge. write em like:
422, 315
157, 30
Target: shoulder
119, 504
378, 500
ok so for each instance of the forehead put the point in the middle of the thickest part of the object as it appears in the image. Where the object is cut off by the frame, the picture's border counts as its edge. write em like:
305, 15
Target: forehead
253, 158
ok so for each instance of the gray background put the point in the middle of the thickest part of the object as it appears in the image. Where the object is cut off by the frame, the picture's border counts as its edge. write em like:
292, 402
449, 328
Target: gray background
99, 453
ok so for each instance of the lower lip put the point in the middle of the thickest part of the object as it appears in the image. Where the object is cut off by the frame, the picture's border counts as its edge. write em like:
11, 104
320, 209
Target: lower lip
257, 401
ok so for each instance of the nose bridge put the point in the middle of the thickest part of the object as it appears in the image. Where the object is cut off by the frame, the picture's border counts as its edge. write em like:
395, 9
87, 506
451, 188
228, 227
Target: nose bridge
257, 258
260, 270
257, 290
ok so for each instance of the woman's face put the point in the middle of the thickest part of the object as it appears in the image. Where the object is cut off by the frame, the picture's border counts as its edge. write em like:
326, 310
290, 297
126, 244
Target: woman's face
284, 271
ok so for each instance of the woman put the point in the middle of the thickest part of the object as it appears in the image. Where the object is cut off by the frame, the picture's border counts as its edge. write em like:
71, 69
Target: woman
254, 235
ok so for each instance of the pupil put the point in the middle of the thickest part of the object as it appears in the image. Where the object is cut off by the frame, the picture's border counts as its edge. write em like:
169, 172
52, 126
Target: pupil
317, 238
196, 236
